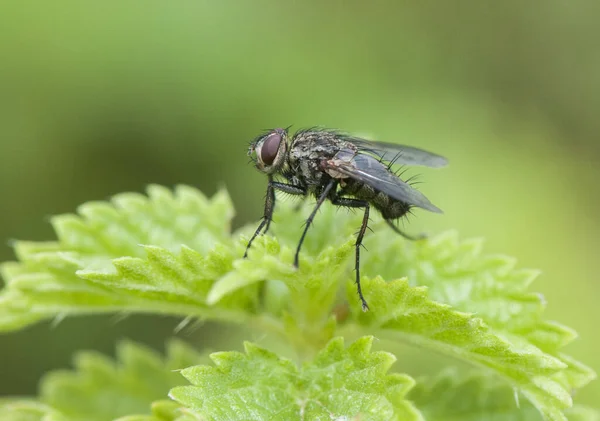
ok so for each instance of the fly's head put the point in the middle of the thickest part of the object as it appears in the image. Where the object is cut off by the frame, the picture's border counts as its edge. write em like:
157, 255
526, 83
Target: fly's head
269, 150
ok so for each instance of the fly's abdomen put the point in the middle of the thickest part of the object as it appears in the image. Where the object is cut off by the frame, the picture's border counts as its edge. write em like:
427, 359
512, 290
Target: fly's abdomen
389, 207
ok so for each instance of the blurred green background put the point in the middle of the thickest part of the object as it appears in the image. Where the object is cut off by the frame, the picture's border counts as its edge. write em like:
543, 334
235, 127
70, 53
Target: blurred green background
98, 98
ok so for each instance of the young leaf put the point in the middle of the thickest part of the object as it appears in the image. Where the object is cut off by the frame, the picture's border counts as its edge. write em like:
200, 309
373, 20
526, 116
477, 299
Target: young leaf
479, 309
453, 396
457, 273
80, 272
26, 410
406, 314
102, 390
339, 383
163, 410
523, 354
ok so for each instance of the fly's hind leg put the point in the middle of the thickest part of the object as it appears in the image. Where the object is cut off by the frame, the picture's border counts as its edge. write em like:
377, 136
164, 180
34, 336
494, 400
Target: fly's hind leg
355, 203
405, 235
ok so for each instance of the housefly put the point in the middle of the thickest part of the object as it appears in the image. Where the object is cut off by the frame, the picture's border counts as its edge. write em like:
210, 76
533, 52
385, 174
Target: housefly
345, 170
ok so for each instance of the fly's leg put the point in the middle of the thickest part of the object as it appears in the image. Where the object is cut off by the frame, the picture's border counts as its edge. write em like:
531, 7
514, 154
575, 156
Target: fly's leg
270, 206
267, 216
326, 191
405, 235
355, 203
266, 222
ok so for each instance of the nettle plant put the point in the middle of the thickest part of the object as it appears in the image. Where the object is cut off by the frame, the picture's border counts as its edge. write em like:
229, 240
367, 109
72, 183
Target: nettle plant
173, 253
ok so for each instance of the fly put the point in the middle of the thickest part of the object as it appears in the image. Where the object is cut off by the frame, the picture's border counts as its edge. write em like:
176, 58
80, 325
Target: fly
345, 170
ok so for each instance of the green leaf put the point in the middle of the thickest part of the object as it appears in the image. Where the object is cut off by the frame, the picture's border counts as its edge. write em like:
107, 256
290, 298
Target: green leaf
493, 289
26, 410
521, 352
340, 383
457, 273
97, 265
102, 390
406, 314
453, 396
163, 410
456, 301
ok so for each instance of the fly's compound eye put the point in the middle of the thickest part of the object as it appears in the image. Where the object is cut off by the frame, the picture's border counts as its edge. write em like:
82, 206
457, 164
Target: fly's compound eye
269, 148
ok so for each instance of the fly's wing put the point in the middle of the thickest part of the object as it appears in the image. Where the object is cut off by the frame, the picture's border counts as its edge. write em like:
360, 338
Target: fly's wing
400, 154
368, 170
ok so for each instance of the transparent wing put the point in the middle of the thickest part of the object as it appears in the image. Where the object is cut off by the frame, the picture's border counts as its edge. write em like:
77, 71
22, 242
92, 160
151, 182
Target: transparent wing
368, 170
401, 154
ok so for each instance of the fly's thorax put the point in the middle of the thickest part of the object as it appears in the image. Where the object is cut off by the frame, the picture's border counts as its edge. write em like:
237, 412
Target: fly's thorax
309, 149
303, 169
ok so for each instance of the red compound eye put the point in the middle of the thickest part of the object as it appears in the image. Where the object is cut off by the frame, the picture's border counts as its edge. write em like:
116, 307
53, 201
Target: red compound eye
269, 149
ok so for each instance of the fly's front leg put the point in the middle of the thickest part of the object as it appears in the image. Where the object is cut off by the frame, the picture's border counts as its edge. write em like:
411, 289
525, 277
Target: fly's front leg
270, 197
326, 191
355, 203
270, 206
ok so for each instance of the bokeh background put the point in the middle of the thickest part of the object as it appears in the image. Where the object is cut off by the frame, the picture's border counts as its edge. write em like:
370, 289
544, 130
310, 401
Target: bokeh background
102, 97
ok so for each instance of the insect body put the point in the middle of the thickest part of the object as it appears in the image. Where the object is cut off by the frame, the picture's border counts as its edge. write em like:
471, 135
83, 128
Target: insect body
348, 171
